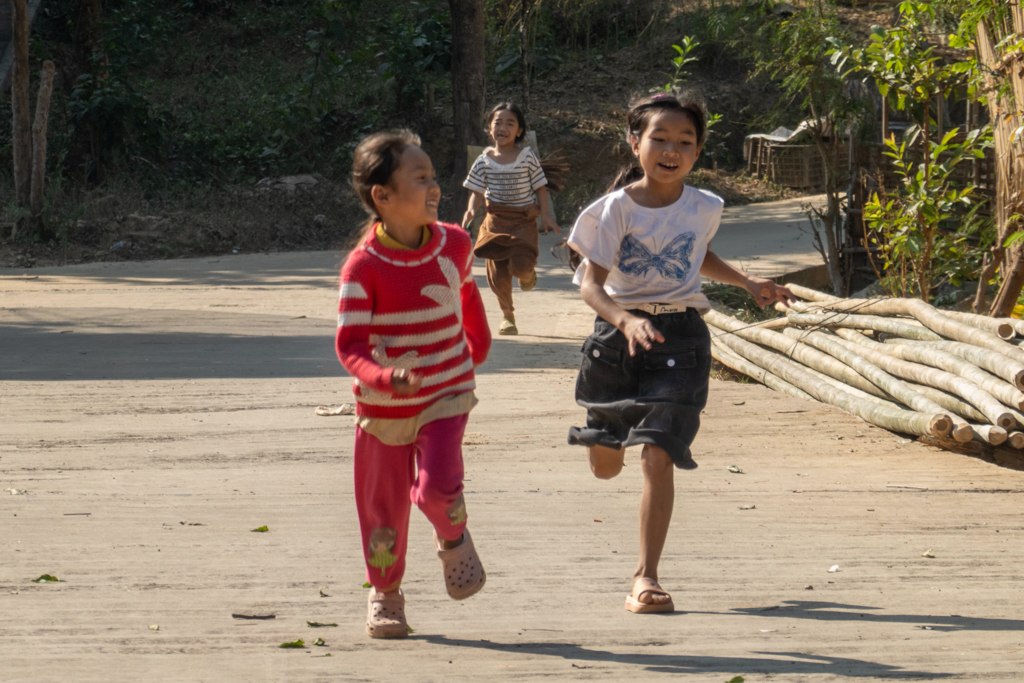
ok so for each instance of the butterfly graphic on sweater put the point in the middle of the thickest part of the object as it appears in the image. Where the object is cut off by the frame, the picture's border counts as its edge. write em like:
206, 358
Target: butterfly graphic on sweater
671, 261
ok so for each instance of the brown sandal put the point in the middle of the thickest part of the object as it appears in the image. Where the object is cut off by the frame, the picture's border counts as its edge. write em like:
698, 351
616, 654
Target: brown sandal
385, 615
463, 572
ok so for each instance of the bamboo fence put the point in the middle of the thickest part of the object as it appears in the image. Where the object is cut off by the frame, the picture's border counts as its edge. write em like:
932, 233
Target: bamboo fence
1004, 67
899, 364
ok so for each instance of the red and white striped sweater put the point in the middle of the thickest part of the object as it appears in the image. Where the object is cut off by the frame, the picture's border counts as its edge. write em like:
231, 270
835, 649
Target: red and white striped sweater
418, 309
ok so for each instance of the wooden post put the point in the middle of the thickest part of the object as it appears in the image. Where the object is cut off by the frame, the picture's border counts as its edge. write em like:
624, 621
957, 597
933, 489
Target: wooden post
39, 145
22, 132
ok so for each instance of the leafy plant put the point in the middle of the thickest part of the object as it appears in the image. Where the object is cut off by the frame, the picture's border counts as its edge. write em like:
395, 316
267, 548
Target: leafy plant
905, 224
680, 61
910, 74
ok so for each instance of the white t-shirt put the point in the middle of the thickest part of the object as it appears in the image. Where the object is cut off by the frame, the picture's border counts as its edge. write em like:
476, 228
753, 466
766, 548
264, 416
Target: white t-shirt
513, 184
652, 255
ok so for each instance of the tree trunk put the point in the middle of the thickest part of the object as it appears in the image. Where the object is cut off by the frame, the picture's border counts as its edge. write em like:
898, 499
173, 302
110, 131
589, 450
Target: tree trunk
469, 87
87, 38
525, 49
39, 145
21, 125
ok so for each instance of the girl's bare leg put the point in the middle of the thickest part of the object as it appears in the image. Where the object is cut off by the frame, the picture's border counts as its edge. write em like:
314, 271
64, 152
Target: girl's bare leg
655, 514
605, 463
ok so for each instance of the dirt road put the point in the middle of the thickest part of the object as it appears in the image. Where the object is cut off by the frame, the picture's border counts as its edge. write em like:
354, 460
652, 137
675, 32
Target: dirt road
155, 413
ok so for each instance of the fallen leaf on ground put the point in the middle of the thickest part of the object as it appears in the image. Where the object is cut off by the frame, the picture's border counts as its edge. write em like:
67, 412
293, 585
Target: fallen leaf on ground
833, 569
808, 587
254, 616
318, 624
325, 595
927, 553
260, 529
735, 679
599, 521
748, 507
294, 644
46, 578
191, 523
343, 409
154, 627
736, 470
769, 630
319, 642
741, 403
17, 492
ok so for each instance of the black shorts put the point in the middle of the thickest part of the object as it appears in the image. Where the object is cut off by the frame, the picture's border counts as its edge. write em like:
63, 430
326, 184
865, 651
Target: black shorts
654, 397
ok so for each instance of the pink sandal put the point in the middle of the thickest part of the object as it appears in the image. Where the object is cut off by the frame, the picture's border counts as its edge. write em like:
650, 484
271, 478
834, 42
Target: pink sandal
463, 572
651, 587
385, 615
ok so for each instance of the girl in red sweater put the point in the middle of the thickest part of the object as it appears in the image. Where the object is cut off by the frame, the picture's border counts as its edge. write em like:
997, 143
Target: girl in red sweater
411, 328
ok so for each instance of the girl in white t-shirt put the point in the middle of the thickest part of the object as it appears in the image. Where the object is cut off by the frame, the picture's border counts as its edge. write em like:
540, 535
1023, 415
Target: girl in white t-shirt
644, 374
508, 181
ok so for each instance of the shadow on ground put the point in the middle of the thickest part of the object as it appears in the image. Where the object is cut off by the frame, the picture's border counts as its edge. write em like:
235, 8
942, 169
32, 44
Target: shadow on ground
773, 663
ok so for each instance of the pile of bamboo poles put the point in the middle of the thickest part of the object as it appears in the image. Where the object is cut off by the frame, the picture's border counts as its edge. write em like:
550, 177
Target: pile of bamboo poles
900, 364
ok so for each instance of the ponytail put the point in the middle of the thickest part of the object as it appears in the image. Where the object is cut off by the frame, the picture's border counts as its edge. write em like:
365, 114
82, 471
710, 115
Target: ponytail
627, 176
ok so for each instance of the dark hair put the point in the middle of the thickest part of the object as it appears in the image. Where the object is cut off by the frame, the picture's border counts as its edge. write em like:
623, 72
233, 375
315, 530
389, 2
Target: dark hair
688, 102
520, 117
375, 160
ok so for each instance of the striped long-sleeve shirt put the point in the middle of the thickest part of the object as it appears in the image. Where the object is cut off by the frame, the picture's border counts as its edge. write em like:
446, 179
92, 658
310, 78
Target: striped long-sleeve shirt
514, 184
418, 309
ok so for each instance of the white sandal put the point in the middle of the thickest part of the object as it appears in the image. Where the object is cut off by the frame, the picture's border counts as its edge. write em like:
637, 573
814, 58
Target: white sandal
463, 572
385, 615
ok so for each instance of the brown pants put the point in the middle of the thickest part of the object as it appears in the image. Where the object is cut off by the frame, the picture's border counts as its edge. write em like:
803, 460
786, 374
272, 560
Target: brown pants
508, 242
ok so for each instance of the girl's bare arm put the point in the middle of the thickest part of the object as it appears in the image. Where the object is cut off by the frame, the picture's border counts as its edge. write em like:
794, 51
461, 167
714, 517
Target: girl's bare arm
637, 330
762, 289
476, 200
546, 220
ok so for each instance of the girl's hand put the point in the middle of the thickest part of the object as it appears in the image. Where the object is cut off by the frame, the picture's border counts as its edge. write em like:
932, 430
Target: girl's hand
640, 331
467, 218
549, 223
405, 382
765, 292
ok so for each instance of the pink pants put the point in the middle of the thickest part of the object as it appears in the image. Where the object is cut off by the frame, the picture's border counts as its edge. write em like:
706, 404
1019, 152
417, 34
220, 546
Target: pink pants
389, 479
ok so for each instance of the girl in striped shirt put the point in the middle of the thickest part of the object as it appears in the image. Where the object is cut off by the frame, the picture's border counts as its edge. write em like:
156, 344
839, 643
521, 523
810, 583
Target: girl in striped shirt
411, 328
508, 181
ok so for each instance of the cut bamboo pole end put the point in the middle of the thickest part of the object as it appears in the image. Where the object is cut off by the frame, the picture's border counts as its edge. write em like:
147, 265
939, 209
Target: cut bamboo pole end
941, 425
990, 434
963, 433
1015, 440
1000, 328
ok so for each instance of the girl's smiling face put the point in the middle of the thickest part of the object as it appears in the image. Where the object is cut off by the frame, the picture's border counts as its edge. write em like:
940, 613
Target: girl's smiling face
668, 147
505, 128
410, 198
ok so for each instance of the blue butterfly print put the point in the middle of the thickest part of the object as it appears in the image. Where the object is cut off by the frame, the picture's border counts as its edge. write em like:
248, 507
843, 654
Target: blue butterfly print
672, 262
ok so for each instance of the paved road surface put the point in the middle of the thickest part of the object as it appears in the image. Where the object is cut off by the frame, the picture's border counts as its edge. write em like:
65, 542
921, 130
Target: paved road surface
157, 412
